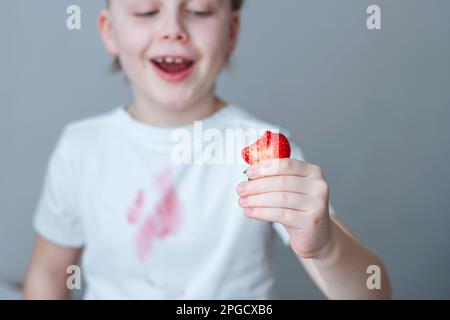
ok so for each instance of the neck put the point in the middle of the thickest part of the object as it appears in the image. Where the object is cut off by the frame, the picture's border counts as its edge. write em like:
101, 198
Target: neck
161, 116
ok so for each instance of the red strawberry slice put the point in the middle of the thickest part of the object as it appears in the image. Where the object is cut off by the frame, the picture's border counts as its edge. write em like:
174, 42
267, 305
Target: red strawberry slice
269, 146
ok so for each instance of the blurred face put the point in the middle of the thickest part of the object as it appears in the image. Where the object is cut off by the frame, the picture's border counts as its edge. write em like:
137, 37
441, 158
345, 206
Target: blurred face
172, 51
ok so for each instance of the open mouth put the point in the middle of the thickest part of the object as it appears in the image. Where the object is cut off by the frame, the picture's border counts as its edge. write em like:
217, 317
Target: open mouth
173, 65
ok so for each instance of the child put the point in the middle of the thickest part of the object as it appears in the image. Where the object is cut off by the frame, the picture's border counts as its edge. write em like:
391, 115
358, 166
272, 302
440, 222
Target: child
153, 227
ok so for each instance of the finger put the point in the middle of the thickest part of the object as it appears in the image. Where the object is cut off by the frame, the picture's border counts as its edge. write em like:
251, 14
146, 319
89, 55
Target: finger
277, 183
283, 167
289, 200
287, 217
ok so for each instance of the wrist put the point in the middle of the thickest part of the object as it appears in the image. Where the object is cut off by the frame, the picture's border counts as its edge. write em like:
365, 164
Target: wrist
330, 251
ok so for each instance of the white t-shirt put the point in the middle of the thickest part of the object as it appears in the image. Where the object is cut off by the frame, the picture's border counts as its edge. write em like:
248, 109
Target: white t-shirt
150, 226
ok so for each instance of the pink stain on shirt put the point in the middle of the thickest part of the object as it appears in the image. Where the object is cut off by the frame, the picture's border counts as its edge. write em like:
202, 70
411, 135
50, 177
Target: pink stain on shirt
135, 210
162, 179
164, 219
145, 237
167, 212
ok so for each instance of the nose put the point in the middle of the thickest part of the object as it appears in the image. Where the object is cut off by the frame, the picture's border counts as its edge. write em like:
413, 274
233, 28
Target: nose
172, 30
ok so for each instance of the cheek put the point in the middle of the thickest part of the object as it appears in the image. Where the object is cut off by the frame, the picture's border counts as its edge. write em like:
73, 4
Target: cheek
132, 41
132, 48
213, 42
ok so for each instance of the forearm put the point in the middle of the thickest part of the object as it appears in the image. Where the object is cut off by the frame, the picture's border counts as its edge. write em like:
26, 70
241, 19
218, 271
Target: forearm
47, 277
45, 285
340, 270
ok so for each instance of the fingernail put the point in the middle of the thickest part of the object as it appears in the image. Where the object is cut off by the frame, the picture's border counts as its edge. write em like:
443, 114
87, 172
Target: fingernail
240, 189
242, 201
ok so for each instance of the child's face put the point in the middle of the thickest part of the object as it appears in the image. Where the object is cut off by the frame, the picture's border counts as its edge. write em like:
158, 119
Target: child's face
141, 31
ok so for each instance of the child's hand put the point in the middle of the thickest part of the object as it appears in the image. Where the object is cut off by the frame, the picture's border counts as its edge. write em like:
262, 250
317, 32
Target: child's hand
293, 193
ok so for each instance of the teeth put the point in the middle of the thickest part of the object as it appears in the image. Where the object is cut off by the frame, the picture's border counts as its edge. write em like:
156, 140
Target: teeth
170, 60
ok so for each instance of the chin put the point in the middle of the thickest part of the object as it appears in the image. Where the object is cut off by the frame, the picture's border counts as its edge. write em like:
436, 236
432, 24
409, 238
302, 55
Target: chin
175, 102
173, 98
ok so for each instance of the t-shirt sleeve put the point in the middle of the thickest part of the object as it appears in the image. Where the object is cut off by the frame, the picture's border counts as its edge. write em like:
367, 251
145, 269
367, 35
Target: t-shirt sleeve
296, 153
56, 217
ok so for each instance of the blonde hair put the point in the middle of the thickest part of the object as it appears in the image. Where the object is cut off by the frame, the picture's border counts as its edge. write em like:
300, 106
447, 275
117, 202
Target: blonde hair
236, 5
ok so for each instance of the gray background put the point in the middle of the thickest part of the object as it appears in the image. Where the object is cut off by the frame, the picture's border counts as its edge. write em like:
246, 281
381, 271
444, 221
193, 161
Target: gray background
371, 107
